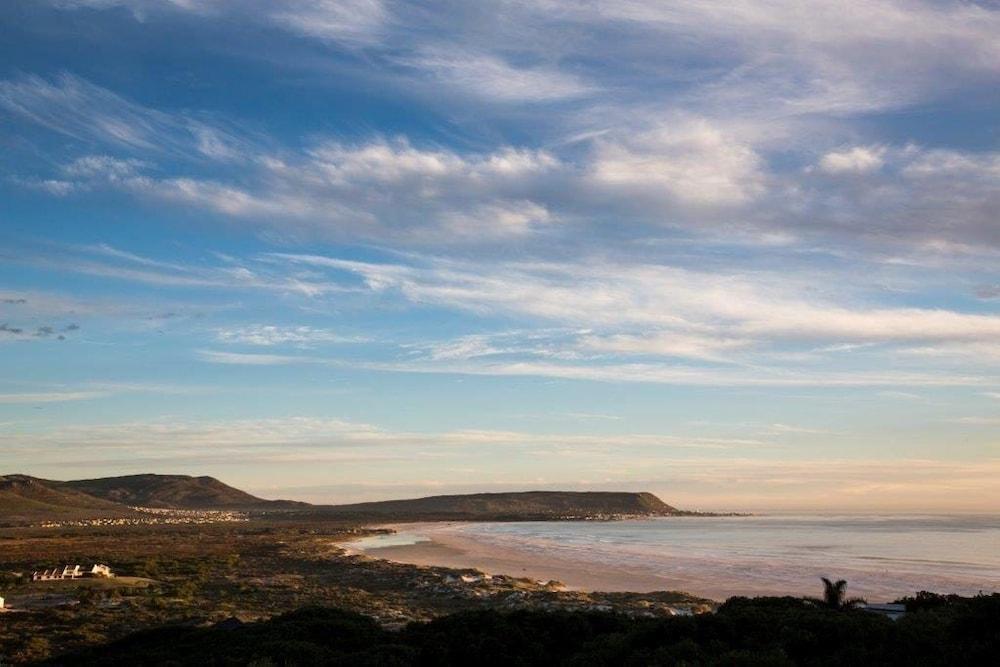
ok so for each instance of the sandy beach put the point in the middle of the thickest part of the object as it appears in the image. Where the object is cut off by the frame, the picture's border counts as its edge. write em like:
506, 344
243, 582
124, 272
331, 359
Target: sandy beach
448, 549
715, 557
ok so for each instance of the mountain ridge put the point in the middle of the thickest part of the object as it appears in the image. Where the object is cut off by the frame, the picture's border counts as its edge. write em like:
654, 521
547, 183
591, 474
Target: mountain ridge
515, 504
25, 499
171, 492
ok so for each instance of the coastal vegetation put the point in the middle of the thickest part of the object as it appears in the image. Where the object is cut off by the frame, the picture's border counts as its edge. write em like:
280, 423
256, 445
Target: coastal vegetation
199, 574
744, 631
835, 596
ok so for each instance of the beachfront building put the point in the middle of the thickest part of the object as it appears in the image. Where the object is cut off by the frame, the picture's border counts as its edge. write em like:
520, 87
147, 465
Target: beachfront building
67, 572
100, 570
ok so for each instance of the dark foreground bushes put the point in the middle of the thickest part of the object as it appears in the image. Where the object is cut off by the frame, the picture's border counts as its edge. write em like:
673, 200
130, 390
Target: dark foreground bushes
759, 631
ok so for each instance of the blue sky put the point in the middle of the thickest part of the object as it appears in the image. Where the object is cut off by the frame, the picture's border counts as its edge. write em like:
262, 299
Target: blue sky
741, 254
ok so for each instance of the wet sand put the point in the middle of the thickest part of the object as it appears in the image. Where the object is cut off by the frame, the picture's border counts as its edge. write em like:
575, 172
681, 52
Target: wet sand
446, 549
883, 557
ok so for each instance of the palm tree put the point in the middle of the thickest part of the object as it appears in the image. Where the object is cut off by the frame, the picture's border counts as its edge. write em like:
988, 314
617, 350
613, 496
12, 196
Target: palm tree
834, 596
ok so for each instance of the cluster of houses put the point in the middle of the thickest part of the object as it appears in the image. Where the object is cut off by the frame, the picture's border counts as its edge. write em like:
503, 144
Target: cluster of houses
98, 570
154, 516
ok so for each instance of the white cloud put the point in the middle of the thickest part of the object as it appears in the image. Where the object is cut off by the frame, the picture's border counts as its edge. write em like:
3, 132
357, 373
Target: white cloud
690, 162
651, 297
103, 167
688, 375
53, 186
113, 263
139, 7
834, 58
368, 190
791, 429
466, 347
269, 335
52, 396
591, 415
689, 176
707, 347
596, 319
345, 21
736, 57
308, 437
77, 108
491, 77
698, 173
931, 201
626, 323
496, 220
856, 160
240, 359
398, 161
474, 357
941, 162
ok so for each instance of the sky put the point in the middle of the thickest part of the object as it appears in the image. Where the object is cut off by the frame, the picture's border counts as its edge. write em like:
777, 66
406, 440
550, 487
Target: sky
745, 255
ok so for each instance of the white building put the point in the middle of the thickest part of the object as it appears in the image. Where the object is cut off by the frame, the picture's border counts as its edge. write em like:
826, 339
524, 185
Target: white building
100, 570
67, 572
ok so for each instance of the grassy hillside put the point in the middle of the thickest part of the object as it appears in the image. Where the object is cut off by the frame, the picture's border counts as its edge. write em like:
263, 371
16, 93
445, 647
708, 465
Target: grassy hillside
530, 504
27, 499
170, 491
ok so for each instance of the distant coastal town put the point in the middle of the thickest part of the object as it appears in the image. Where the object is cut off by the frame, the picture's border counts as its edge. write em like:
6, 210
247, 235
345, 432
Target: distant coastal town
154, 516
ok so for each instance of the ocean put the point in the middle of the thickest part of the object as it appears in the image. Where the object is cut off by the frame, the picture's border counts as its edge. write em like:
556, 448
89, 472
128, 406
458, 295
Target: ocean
881, 557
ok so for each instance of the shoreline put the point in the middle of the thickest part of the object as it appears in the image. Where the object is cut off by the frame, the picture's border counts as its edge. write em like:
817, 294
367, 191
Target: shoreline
706, 569
442, 548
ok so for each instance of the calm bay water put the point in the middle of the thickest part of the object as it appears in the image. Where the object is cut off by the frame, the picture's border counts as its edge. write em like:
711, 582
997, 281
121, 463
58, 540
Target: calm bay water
882, 557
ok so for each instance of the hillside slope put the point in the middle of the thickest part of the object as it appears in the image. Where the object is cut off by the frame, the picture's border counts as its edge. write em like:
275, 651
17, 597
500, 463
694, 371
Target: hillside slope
24, 499
171, 491
528, 504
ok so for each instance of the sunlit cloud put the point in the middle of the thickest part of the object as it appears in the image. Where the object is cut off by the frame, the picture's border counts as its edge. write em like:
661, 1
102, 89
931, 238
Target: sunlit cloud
270, 335
449, 215
51, 396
